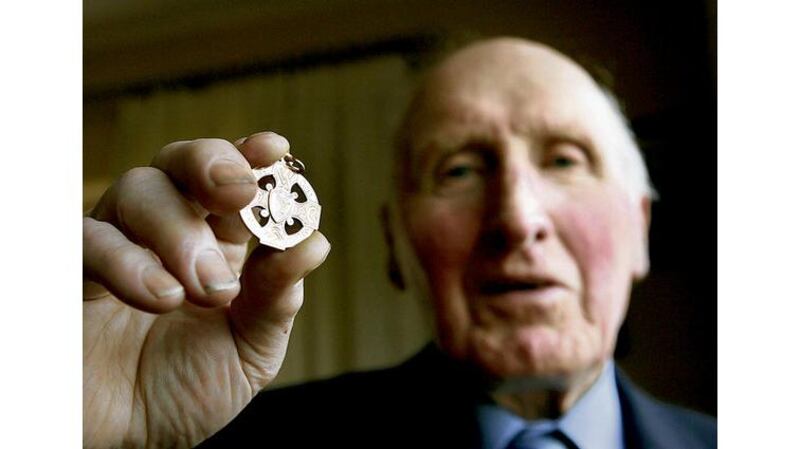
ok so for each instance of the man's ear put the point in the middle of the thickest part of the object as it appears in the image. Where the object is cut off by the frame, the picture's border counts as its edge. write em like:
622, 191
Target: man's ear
642, 245
392, 266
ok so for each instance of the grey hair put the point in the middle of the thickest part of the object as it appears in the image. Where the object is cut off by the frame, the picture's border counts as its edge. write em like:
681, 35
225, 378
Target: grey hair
635, 176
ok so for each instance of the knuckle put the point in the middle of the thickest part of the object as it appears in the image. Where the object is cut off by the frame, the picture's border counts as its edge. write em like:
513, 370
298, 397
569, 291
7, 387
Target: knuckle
132, 189
173, 146
163, 155
179, 249
211, 144
202, 153
121, 257
91, 228
93, 231
190, 157
125, 188
137, 176
186, 244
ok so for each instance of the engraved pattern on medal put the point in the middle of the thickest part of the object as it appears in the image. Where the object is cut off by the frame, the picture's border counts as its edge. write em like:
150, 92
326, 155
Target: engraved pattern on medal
285, 211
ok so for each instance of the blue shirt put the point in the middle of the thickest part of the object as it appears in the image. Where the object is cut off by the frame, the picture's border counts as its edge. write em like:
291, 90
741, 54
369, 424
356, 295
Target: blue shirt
593, 422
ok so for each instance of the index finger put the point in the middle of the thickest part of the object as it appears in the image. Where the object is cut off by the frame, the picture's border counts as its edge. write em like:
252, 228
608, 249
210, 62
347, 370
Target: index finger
211, 171
215, 172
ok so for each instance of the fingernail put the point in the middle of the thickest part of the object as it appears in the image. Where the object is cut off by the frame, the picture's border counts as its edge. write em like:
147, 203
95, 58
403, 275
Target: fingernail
160, 283
214, 273
225, 173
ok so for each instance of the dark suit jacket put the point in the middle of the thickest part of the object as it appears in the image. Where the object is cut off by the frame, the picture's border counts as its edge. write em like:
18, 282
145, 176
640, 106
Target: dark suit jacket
428, 401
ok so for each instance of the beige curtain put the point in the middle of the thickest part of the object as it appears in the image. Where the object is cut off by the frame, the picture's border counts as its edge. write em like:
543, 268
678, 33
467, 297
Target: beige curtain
339, 120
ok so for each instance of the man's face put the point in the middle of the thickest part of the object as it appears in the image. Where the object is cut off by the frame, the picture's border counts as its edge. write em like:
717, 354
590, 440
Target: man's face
517, 214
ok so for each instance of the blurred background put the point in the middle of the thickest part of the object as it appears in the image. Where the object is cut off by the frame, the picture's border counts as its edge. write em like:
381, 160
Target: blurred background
333, 77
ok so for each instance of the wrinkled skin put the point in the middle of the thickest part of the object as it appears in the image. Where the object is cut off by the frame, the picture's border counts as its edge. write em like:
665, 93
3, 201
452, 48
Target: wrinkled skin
516, 209
174, 344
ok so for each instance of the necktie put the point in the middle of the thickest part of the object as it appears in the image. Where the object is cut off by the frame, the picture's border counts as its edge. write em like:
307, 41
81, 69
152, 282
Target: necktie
534, 439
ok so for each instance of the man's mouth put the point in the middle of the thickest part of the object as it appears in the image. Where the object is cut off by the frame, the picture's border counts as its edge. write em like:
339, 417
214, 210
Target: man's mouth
499, 287
521, 293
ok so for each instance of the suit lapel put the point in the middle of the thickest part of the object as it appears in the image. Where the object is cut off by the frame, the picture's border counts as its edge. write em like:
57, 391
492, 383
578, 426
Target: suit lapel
650, 424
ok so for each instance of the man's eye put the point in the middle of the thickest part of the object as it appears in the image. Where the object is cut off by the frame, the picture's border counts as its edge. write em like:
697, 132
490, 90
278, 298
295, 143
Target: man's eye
566, 156
563, 162
459, 171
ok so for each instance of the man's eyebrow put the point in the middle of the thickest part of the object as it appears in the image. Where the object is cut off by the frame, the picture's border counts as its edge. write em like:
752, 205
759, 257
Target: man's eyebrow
459, 124
549, 123
445, 139
553, 127
448, 141
431, 149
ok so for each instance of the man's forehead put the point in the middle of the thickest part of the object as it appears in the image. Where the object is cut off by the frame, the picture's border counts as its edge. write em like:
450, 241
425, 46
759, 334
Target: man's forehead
447, 123
499, 63
524, 85
507, 75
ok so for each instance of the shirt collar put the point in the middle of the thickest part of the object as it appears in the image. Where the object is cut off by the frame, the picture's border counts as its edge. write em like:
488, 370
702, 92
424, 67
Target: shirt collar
595, 421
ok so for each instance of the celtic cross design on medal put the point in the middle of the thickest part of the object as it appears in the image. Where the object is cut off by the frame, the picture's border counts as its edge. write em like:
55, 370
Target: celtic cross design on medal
285, 210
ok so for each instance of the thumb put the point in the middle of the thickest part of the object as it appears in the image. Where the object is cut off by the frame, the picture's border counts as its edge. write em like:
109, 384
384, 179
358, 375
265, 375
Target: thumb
272, 294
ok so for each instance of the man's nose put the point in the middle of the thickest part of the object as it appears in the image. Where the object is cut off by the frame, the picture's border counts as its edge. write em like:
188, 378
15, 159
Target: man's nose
519, 215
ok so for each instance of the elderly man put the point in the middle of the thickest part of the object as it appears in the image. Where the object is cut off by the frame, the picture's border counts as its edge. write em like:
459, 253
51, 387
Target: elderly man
521, 214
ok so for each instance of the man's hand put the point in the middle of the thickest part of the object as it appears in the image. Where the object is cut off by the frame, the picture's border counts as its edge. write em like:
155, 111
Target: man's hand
174, 346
